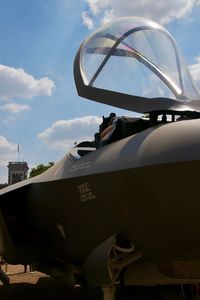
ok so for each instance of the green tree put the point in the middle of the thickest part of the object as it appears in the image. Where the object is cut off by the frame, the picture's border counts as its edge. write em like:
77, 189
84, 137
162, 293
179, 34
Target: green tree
40, 169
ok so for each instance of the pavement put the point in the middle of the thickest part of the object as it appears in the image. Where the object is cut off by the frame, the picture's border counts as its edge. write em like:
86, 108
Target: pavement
37, 286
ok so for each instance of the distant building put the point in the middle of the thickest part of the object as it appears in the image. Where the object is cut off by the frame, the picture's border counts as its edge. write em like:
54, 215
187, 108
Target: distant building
17, 171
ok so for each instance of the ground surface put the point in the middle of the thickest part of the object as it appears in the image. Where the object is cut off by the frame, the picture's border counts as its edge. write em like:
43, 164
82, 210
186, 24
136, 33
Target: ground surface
36, 286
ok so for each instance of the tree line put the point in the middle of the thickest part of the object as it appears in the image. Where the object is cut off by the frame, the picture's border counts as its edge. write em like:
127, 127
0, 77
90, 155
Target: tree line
40, 169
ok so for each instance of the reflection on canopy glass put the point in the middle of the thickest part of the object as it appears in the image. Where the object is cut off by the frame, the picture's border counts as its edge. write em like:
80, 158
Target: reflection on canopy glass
139, 59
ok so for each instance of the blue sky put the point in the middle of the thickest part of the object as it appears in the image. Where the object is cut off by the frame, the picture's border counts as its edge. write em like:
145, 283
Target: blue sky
39, 105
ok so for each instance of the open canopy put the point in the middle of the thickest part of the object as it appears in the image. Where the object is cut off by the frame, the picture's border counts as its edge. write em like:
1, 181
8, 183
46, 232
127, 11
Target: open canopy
135, 64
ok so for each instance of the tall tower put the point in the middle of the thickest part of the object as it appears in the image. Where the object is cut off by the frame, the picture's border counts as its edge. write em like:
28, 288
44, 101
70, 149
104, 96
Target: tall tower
17, 171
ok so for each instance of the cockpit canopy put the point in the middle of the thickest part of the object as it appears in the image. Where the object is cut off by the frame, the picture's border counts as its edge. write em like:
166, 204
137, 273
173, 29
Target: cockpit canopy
134, 63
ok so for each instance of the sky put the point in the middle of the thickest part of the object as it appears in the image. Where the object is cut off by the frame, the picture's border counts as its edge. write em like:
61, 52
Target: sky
39, 106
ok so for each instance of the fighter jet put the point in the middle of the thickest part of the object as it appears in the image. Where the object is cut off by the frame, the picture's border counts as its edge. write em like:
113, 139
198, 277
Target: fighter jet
123, 208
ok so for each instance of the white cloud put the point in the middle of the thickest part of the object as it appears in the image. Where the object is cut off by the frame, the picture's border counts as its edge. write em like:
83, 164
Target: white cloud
62, 134
15, 108
8, 150
18, 83
98, 5
87, 20
163, 12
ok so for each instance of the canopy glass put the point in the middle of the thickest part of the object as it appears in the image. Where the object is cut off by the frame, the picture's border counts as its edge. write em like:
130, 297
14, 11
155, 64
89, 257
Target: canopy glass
136, 57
